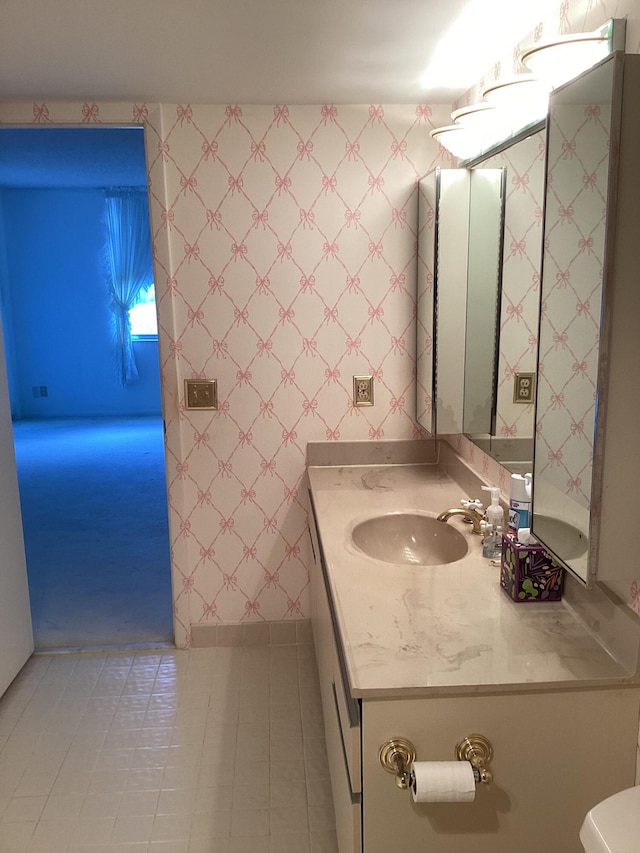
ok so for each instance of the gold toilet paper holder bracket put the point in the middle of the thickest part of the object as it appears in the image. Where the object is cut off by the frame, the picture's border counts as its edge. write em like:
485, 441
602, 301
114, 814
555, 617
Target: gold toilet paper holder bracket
398, 754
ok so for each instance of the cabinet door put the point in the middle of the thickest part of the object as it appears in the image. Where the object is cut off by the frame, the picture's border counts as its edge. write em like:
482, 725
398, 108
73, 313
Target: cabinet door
442, 295
425, 304
586, 466
346, 799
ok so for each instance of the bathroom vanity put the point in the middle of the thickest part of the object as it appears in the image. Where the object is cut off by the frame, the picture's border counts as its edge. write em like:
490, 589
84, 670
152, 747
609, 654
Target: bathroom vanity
438, 652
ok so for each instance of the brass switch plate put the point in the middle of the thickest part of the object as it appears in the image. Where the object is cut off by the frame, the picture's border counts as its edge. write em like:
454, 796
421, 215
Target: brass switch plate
201, 393
524, 387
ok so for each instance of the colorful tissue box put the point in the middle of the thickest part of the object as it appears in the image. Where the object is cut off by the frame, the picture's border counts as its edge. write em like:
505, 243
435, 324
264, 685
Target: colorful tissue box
529, 572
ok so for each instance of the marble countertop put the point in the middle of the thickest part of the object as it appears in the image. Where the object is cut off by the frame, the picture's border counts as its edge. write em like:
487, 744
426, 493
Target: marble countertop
414, 631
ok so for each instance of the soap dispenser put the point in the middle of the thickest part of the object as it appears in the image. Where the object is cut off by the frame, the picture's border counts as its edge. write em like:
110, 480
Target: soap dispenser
493, 525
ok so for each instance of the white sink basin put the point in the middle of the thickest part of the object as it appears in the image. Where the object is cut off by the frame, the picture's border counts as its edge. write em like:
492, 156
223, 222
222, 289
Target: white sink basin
408, 538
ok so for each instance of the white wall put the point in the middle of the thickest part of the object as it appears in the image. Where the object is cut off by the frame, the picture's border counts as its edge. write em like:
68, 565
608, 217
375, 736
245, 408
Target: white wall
16, 636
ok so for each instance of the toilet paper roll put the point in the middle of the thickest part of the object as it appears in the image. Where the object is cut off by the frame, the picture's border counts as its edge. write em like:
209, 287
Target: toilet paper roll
442, 782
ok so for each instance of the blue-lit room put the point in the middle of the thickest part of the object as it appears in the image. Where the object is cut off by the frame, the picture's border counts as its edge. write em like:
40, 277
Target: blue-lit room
88, 432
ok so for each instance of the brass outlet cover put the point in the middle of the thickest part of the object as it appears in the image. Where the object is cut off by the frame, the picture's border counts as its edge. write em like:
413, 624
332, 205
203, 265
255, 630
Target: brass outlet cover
524, 387
201, 393
363, 390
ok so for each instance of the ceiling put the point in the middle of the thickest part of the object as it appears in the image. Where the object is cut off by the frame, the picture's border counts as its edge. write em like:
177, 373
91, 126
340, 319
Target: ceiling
231, 51
254, 51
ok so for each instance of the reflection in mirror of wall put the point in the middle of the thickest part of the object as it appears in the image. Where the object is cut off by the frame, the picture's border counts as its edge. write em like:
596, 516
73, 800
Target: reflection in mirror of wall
459, 245
484, 265
425, 306
511, 442
443, 232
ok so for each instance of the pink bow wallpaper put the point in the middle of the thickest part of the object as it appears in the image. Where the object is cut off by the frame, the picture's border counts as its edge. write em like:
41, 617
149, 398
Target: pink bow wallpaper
292, 243
520, 278
571, 306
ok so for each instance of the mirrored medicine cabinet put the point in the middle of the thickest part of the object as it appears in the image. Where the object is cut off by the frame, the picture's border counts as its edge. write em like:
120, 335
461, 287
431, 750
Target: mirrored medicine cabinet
583, 304
460, 228
484, 342
586, 460
510, 436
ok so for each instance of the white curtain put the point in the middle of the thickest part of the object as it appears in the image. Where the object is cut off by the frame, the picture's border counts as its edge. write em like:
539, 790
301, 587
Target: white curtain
129, 266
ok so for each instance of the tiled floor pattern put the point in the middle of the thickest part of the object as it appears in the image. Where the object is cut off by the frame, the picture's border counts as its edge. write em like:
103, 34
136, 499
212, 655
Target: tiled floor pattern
205, 751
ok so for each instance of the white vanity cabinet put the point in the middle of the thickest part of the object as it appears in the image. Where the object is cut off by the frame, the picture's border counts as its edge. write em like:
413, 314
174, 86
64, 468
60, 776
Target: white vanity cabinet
558, 750
556, 754
340, 711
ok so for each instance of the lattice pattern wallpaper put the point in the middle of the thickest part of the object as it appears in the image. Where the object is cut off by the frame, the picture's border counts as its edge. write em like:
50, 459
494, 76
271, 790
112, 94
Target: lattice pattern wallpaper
520, 278
572, 298
291, 238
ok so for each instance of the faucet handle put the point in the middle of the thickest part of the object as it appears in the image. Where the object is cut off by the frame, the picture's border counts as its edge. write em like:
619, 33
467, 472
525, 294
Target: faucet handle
472, 504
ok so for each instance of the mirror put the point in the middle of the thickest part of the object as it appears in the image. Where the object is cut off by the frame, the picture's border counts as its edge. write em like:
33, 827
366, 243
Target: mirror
443, 233
425, 304
575, 264
460, 220
508, 435
484, 267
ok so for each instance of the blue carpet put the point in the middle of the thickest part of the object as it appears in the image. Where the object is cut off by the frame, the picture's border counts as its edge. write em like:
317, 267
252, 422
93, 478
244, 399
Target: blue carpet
94, 511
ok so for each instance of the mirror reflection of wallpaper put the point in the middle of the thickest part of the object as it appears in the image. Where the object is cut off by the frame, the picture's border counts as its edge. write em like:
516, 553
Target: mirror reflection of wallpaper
571, 298
522, 255
425, 301
486, 223
443, 234
452, 242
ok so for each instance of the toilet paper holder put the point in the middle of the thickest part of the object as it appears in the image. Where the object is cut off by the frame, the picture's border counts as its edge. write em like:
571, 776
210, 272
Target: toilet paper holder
398, 754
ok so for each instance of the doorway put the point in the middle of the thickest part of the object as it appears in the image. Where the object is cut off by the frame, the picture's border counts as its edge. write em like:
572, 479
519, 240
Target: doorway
90, 452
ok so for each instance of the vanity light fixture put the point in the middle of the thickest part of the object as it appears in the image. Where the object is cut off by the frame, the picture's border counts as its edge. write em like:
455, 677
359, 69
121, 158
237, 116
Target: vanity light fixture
475, 127
484, 121
458, 140
510, 106
565, 58
524, 98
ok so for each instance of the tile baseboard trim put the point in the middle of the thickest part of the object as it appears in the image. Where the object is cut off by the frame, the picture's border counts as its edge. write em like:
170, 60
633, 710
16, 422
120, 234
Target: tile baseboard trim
285, 633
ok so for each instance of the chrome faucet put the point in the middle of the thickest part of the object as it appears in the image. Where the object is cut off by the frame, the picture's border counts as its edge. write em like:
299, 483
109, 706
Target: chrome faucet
471, 515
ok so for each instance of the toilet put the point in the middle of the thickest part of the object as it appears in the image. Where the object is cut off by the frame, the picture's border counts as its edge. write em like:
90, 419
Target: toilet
613, 826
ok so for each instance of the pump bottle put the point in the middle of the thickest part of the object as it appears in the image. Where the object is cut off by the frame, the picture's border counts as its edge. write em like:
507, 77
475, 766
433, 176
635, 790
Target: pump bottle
493, 525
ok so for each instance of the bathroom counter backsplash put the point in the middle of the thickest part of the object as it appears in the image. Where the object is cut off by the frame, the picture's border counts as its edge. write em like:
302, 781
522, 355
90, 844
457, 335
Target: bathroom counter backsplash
410, 630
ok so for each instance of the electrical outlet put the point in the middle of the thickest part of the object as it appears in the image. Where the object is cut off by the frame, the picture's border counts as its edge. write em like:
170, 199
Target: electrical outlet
201, 393
363, 390
524, 385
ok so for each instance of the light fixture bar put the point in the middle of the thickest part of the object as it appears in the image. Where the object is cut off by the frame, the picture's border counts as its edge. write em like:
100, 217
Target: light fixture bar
504, 111
561, 59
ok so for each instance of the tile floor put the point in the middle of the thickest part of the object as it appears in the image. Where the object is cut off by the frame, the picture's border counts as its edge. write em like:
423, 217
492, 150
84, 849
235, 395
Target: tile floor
215, 750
